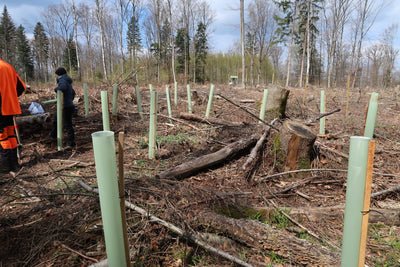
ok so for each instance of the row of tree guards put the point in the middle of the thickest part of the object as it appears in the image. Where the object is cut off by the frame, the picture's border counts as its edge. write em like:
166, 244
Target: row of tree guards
111, 185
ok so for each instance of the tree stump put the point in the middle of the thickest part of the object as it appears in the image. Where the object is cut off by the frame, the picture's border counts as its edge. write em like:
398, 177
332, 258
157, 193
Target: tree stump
297, 142
276, 101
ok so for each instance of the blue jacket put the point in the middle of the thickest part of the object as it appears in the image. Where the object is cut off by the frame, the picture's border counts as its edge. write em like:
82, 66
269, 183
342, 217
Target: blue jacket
64, 83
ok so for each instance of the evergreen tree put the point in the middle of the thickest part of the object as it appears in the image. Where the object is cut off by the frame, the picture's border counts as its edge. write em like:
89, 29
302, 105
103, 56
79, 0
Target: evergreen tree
40, 46
133, 38
7, 38
182, 49
165, 49
285, 22
201, 49
69, 57
308, 14
24, 61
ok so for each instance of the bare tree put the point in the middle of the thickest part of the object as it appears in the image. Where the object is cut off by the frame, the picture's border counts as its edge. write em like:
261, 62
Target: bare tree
366, 13
375, 54
75, 16
58, 22
336, 13
262, 24
87, 27
242, 43
390, 54
100, 15
122, 10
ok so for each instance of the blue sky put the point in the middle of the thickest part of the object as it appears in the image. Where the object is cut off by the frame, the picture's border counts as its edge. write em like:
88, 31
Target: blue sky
226, 25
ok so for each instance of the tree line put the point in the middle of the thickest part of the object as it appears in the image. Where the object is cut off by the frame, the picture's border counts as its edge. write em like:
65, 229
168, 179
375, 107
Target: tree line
293, 42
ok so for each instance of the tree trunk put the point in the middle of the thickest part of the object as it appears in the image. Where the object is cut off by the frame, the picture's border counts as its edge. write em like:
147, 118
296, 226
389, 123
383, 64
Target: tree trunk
186, 169
242, 43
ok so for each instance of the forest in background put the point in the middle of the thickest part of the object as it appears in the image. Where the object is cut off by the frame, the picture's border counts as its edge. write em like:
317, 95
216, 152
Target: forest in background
292, 42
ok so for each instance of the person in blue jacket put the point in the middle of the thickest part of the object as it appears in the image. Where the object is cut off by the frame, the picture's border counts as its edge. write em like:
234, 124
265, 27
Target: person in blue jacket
64, 84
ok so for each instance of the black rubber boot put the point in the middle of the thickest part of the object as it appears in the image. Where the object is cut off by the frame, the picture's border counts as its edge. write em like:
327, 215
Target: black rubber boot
13, 160
4, 161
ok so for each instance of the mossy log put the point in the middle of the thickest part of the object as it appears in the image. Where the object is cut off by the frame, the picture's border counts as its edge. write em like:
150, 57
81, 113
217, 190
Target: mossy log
297, 142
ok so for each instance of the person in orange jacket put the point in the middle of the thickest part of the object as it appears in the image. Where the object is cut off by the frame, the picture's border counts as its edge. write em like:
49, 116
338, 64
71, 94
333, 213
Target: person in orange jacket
11, 87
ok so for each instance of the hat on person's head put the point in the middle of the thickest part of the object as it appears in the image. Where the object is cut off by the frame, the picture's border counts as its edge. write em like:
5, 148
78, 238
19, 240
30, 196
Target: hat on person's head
60, 71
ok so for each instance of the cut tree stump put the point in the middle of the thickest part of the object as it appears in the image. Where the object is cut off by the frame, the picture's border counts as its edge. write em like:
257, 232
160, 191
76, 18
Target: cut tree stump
186, 169
297, 142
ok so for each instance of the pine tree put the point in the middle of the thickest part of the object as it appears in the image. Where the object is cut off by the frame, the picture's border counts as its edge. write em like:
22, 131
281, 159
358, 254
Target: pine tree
307, 19
69, 57
7, 38
201, 49
24, 61
40, 46
182, 49
133, 39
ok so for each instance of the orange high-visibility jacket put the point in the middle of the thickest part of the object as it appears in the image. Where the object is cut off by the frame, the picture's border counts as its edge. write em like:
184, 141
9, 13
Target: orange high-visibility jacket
11, 87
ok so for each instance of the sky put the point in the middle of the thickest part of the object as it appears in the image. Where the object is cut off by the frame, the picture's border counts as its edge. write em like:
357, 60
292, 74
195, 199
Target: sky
226, 24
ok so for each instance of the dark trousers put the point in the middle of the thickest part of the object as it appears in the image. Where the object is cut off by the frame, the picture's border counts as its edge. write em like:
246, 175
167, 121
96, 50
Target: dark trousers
67, 122
8, 145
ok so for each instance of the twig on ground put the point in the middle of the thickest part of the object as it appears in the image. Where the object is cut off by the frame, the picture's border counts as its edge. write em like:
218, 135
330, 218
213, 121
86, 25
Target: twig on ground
76, 252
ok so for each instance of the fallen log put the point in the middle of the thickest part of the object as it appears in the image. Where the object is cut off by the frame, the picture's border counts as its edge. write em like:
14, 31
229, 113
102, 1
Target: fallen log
193, 117
335, 213
265, 237
32, 119
206, 161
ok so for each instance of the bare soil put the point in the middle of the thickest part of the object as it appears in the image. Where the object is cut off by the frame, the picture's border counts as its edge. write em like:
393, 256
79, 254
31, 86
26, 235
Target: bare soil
47, 219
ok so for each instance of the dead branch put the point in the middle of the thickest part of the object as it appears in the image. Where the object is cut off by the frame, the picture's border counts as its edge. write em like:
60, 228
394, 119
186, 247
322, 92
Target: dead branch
313, 120
254, 152
335, 213
266, 177
206, 161
248, 112
193, 117
76, 252
392, 189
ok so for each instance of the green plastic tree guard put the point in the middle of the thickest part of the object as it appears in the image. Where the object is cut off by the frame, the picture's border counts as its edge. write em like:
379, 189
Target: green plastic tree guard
322, 110
86, 99
152, 124
105, 112
264, 105
176, 94
59, 120
115, 99
107, 179
356, 175
49, 101
210, 98
189, 98
371, 116
168, 103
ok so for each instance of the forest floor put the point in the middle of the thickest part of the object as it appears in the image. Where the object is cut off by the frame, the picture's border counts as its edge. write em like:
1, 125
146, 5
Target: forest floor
48, 219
